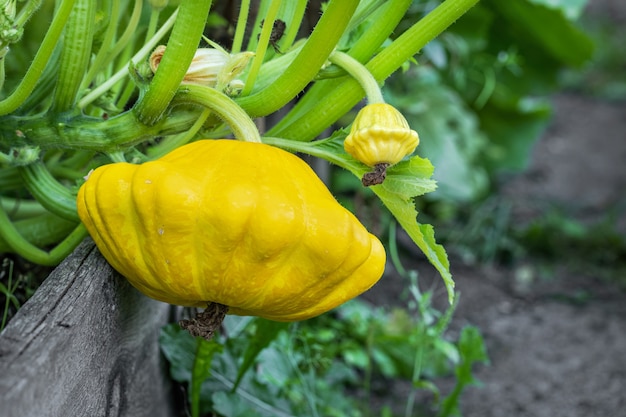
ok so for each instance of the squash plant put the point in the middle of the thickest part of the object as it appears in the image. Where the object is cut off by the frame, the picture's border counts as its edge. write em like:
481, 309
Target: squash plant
124, 83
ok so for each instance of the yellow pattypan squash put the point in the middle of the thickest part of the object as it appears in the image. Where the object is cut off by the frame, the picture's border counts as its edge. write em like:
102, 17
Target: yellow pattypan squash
380, 134
242, 224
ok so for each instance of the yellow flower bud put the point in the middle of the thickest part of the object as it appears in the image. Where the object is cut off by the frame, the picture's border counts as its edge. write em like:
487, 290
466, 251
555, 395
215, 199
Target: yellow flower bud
380, 136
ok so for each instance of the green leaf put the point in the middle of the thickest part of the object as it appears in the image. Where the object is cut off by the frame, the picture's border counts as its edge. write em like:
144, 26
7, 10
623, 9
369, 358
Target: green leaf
513, 129
179, 348
472, 350
546, 29
410, 178
205, 349
229, 404
572, 9
403, 209
265, 331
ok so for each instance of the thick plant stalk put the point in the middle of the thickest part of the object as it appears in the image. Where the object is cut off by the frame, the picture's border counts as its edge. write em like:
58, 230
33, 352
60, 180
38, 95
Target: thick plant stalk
40, 230
308, 62
223, 106
261, 47
181, 48
380, 29
75, 55
89, 133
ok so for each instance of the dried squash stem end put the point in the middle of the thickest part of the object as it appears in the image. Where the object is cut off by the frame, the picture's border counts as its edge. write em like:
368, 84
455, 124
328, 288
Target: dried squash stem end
206, 322
377, 176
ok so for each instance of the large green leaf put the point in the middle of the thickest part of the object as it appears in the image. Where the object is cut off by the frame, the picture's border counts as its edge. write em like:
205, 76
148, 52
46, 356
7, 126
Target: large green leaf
513, 131
546, 29
265, 331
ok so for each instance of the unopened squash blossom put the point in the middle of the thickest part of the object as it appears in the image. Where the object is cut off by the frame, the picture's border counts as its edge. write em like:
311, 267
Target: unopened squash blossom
380, 137
241, 224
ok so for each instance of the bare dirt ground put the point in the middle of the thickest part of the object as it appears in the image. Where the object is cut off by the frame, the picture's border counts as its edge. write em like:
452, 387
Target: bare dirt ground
550, 355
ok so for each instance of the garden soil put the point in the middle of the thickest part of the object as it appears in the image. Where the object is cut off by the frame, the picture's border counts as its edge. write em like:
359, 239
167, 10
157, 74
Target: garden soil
552, 352
556, 339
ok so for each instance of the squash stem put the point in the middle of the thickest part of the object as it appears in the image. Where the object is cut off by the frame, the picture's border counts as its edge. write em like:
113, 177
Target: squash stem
240, 30
240, 123
143, 52
77, 40
261, 48
360, 73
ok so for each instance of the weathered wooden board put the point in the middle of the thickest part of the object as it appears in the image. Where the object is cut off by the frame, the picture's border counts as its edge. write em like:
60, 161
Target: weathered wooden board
86, 344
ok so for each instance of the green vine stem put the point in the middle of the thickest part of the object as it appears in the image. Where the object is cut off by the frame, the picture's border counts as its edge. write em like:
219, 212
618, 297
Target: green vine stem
28, 83
152, 25
18, 208
106, 55
172, 142
261, 47
48, 191
124, 131
339, 99
384, 21
141, 54
40, 230
77, 41
181, 47
18, 22
30, 252
359, 73
295, 14
242, 23
90, 133
26, 12
311, 58
129, 31
240, 123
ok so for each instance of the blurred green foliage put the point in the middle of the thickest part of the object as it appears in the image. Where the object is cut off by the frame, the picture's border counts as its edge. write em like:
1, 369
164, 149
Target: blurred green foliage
479, 94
